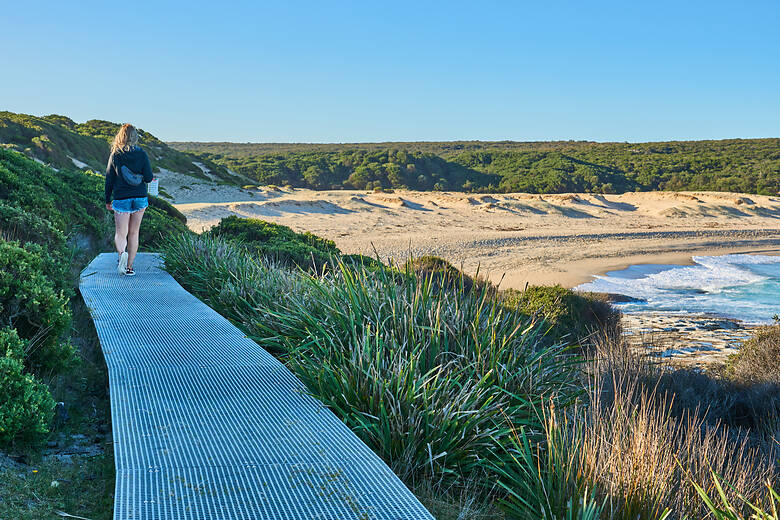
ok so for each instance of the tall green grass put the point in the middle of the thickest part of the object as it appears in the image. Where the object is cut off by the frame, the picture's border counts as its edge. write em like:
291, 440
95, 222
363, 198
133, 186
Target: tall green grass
722, 508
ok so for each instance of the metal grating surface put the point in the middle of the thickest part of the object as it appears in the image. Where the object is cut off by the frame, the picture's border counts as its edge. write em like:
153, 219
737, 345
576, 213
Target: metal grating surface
207, 425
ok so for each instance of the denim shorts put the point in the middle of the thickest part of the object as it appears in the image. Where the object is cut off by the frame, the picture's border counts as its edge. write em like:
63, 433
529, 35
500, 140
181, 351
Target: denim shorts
130, 205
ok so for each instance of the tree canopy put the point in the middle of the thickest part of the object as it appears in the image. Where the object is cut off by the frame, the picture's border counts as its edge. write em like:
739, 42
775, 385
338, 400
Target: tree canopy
738, 165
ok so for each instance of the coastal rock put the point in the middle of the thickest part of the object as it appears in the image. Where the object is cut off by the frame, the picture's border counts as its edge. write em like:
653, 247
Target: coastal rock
685, 340
620, 298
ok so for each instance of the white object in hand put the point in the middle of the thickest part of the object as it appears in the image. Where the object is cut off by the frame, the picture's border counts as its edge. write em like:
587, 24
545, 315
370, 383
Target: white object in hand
154, 187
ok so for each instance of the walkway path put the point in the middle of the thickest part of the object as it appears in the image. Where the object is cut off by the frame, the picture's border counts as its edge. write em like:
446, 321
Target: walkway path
207, 425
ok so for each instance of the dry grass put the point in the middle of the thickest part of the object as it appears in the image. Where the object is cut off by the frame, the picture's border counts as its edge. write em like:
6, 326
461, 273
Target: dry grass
630, 451
467, 501
643, 451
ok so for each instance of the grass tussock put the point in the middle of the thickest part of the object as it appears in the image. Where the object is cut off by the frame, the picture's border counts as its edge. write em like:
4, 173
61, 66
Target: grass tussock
644, 453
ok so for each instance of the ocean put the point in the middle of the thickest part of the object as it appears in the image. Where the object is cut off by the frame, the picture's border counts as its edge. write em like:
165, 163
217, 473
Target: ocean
744, 287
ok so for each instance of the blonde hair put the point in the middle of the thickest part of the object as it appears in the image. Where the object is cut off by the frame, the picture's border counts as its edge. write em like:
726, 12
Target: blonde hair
125, 139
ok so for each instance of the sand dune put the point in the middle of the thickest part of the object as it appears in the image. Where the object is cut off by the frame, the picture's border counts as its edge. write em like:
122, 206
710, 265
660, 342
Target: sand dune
517, 237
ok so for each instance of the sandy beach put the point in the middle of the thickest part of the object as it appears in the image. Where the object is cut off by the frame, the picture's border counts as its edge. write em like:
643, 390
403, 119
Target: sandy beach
512, 238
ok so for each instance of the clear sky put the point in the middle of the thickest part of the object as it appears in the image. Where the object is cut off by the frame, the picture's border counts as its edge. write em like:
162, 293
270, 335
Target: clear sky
330, 71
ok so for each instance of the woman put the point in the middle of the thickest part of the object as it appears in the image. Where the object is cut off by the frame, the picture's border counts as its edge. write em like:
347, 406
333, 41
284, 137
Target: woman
127, 175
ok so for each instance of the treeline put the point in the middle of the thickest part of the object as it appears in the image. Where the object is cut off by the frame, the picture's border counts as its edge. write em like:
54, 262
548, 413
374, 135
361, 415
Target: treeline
358, 169
442, 148
738, 165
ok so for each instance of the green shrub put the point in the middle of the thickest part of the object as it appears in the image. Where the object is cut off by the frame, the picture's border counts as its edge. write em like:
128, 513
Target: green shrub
362, 261
442, 273
156, 226
428, 264
11, 345
54, 139
34, 304
278, 242
168, 209
26, 407
70, 200
570, 315
24, 226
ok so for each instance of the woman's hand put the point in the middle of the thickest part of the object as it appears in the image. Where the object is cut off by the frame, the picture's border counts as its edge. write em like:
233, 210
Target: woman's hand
108, 206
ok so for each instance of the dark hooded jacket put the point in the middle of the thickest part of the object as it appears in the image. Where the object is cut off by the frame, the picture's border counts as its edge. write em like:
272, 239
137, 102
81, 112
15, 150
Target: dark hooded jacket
116, 187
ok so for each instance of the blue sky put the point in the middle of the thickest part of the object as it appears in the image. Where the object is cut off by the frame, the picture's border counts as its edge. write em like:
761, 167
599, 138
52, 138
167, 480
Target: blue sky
399, 71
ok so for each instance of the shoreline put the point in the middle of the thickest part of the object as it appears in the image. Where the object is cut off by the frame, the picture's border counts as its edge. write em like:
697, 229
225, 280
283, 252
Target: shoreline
573, 273
680, 258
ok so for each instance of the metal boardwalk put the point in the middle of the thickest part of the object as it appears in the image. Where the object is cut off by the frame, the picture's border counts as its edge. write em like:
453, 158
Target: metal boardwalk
207, 425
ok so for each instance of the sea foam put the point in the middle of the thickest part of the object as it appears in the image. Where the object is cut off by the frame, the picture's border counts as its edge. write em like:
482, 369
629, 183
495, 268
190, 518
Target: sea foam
745, 287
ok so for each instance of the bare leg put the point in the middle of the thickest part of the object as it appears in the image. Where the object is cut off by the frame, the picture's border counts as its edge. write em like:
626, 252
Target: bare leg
132, 236
120, 236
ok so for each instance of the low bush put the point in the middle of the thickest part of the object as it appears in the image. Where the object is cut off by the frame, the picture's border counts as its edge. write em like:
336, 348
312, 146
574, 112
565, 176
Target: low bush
758, 360
362, 260
442, 274
33, 302
753, 407
167, 208
69, 200
570, 315
23, 226
157, 225
26, 407
304, 250
11, 345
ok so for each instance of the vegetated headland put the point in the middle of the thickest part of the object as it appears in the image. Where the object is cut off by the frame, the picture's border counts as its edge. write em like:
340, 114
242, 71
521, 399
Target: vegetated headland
488, 401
